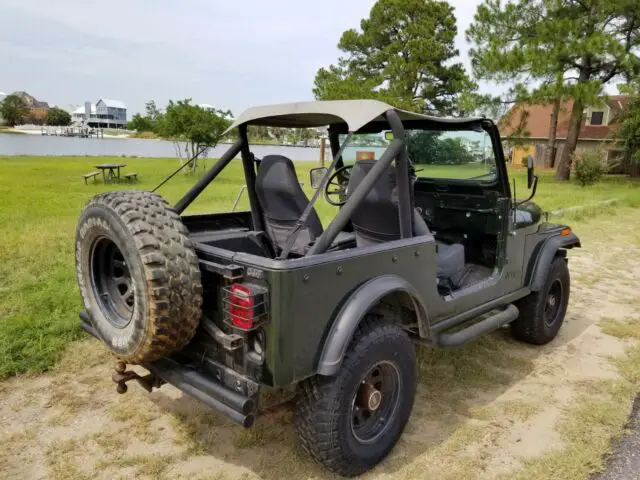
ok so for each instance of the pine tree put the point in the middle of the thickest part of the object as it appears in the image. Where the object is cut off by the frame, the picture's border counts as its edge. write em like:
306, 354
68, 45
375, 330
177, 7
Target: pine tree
403, 54
583, 43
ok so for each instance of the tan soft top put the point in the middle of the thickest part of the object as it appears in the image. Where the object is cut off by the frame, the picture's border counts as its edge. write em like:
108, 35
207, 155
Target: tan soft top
355, 113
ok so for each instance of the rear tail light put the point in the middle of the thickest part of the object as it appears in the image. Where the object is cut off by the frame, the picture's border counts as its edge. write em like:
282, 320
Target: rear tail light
245, 305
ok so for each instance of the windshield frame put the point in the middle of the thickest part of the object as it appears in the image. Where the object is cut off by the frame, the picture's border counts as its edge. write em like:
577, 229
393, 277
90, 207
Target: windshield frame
499, 184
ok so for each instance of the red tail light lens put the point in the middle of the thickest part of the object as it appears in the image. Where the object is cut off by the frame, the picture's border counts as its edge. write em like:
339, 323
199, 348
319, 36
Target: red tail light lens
245, 305
241, 306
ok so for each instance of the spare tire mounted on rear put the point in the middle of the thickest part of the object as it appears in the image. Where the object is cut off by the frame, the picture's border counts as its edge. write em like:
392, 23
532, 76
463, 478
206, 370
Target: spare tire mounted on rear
138, 275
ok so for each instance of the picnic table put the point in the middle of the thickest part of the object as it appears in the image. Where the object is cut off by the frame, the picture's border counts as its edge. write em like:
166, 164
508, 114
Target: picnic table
111, 171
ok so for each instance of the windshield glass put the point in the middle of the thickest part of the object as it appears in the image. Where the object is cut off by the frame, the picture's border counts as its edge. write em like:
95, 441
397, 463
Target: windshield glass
459, 154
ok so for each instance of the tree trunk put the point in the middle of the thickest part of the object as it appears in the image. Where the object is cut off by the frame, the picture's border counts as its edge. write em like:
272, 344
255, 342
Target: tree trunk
549, 157
563, 171
634, 165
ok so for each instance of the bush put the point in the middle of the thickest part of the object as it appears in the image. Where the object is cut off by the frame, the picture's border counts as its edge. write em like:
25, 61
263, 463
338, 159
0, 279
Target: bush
590, 166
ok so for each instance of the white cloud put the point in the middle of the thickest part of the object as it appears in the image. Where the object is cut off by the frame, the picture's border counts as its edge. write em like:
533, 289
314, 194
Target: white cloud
229, 54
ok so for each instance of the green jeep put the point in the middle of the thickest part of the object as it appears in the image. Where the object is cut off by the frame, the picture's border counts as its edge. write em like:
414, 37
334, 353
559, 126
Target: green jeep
220, 304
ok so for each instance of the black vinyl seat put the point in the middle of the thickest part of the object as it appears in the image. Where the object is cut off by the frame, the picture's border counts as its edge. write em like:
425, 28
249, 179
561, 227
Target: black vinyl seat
376, 220
283, 201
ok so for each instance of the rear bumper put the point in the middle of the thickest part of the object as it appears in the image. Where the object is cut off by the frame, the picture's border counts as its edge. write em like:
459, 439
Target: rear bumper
195, 383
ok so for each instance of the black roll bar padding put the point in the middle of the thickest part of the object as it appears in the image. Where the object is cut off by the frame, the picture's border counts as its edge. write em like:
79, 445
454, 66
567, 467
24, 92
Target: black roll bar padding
211, 174
403, 182
250, 179
334, 143
355, 198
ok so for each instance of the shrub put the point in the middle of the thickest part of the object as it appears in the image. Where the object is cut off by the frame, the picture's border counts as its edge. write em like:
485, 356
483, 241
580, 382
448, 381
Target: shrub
590, 166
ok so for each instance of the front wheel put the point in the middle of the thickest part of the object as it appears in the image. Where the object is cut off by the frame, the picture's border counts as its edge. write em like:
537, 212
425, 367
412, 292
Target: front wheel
542, 313
350, 422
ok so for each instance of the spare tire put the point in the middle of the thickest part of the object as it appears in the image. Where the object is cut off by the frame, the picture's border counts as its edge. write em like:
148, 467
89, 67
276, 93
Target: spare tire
138, 275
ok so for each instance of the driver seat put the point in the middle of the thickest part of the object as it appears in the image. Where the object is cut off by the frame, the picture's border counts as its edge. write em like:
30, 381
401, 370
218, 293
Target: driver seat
376, 220
283, 201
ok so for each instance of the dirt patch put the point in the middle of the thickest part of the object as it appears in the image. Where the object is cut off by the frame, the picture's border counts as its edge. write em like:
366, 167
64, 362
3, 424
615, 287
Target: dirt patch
482, 411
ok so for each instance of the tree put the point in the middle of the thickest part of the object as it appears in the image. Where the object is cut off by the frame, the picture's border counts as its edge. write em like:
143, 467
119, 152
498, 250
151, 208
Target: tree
629, 131
258, 133
14, 110
58, 117
153, 112
141, 124
194, 129
427, 147
574, 47
403, 54
147, 122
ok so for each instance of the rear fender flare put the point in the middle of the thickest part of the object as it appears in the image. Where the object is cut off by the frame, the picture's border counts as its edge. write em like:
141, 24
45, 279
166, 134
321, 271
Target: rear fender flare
551, 247
351, 313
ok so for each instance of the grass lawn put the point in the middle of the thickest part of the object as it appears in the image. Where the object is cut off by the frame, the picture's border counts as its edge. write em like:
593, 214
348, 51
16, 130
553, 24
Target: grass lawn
41, 198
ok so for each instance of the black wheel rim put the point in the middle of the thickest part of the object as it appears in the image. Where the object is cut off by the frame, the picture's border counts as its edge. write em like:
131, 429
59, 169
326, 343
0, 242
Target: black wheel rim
375, 403
111, 282
552, 304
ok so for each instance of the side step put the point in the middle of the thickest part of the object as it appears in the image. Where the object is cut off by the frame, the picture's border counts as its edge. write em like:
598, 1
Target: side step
476, 330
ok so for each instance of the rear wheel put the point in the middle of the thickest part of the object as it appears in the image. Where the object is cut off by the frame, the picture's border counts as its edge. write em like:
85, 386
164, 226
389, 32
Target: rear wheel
351, 421
138, 275
542, 313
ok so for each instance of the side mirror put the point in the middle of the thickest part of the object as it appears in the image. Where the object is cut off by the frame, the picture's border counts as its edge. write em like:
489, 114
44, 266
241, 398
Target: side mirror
315, 176
530, 171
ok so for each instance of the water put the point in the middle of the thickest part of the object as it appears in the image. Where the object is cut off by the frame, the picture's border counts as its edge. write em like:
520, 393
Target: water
133, 147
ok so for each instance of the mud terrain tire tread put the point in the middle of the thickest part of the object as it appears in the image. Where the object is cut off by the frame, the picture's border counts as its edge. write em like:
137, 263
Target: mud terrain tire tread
320, 408
170, 279
530, 326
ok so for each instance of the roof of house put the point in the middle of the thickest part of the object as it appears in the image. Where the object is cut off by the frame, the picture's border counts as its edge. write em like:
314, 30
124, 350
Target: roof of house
112, 103
538, 121
32, 102
355, 113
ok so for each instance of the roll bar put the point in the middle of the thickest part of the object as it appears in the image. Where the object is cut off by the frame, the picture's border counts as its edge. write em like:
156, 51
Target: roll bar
395, 151
211, 174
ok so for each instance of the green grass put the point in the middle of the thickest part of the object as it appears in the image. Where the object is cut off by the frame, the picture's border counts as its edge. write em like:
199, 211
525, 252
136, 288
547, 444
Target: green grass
41, 198
143, 135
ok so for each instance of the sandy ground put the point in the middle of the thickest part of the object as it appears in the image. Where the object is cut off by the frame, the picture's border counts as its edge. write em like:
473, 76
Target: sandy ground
482, 411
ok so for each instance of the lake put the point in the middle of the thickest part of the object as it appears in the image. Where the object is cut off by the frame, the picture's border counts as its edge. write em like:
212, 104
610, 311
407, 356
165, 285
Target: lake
135, 147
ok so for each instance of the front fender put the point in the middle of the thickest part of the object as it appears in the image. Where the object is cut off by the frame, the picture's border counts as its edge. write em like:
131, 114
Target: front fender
361, 301
541, 263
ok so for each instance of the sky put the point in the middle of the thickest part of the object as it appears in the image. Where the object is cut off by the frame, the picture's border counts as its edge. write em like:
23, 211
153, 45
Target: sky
230, 54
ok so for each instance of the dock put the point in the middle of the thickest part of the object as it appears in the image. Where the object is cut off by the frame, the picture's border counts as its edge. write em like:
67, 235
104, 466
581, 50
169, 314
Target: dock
81, 131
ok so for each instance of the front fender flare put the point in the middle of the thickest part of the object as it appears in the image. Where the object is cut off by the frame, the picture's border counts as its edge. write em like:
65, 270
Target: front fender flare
551, 247
353, 311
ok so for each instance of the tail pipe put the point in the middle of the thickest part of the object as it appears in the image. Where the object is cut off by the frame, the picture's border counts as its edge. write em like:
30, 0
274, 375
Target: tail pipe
237, 407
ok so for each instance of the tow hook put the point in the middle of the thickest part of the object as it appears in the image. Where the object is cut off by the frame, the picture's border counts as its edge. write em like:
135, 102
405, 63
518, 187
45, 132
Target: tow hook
122, 376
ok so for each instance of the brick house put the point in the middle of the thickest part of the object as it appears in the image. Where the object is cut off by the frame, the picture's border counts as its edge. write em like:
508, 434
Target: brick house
525, 130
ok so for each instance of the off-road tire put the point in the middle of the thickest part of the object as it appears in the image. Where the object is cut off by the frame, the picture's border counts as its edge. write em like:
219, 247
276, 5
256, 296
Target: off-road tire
322, 417
532, 326
162, 268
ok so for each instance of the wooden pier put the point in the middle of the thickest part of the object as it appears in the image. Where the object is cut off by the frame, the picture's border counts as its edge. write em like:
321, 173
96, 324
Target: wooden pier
73, 131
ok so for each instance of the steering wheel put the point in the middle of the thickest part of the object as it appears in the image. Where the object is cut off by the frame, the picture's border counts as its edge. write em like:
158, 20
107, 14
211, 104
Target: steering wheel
337, 186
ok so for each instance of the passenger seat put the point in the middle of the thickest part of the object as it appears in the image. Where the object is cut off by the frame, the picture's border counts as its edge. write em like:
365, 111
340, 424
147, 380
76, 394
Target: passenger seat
376, 220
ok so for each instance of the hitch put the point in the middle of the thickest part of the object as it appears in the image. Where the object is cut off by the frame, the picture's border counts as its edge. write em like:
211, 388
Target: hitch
122, 376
